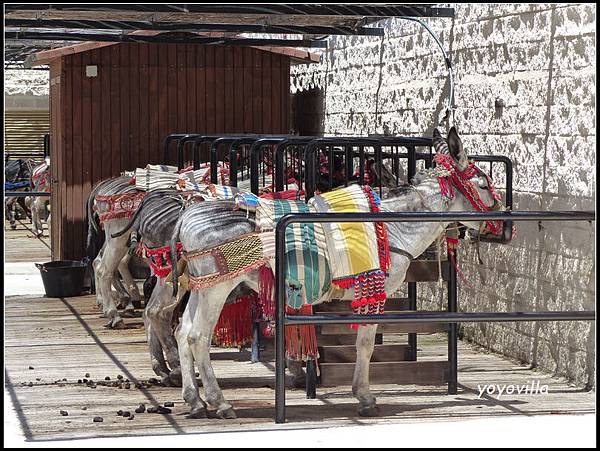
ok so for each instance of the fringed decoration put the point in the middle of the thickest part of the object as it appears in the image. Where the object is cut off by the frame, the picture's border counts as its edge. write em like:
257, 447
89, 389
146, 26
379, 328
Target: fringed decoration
452, 244
266, 298
381, 230
301, 340
234, 328
369, 292
160, 259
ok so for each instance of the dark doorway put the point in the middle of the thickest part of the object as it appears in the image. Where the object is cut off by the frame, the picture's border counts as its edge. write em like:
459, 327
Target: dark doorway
307, 112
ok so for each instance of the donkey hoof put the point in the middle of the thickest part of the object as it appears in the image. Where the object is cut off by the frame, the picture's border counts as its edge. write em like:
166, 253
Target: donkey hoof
120, 324
128, 313
13, 226
227, 413
175, 378
368, 411
197, 413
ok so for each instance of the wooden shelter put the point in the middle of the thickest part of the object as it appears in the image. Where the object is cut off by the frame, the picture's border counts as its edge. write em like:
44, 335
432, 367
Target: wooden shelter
112, 106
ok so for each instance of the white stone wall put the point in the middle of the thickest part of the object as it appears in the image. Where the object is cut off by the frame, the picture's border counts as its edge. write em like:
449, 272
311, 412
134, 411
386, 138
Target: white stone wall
540, 60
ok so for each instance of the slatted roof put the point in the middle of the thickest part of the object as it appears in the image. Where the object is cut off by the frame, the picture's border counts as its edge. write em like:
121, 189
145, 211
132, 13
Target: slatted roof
31, 28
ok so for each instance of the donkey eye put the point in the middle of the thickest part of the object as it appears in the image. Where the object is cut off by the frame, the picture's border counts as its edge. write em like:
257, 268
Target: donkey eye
482, 183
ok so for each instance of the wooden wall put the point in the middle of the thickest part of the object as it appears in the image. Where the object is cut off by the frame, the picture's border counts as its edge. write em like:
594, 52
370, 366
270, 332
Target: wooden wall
117, 121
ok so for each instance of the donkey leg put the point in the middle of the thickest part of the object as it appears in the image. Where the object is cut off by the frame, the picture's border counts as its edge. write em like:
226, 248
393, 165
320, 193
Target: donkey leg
129, 282
298, 374
209, 305
189, 389
95, 266
365, 342
157, 359
37, 207
114, 252
159, 313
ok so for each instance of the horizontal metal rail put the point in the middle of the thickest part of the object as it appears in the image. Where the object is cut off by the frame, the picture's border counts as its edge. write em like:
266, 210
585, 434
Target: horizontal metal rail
26, 194
281, 319
443, 317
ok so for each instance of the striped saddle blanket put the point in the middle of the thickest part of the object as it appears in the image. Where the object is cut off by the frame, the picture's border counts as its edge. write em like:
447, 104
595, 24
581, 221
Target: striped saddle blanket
320, 256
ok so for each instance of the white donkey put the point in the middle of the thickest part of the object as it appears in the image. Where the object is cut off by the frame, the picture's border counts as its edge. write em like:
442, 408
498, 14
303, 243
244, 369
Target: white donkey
206, 225
113, 256
39, 206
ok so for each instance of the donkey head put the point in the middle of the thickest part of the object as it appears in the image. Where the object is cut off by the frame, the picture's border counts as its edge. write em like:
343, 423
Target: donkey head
472, 188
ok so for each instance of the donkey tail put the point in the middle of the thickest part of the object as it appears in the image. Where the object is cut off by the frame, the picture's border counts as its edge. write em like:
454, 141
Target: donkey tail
173, 249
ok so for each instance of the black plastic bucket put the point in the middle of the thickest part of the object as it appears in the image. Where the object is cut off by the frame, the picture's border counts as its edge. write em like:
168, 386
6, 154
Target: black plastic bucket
62, 278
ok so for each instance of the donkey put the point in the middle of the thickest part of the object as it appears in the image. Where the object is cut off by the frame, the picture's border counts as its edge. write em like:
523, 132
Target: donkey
113, 254
153, 225
17, 176
206, 225
40, 182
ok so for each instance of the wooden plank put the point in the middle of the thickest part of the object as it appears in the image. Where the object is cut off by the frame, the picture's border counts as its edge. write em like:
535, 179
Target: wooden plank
238, 89
335, 305
115, 110
191, 73
248, 87
347, 353
229, 90
154, 107
124, 85
144, 106
418, 373
172, 90
201, 87
276, 92
388, 328
267, 93
426, 271
105, 75
181, 88
211, 124
96, 123
285, 95
219, 69
257, 92
339, 340
86, 150
163, 92
75, 232
133, 147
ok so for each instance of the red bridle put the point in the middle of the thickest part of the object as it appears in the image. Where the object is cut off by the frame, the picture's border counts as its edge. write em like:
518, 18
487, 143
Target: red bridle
461, 180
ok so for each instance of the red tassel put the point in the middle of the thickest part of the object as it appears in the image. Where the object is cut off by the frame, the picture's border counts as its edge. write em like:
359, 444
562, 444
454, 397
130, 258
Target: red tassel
234, 327
266, 285
301, 341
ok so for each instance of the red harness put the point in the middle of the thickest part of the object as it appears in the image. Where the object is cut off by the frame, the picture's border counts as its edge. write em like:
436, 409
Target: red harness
160, 259
119, 206
461, 180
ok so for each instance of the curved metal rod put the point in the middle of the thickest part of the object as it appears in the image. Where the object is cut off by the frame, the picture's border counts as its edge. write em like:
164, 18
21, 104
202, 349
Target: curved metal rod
449, 106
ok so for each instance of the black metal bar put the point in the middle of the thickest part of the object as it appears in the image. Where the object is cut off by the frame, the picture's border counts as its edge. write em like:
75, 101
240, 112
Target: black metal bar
167, 142
359, 11
412, 286
46, 145
26, 194
90, 24
163, 38
279, 156
181, 148
452, 330
255, 150
444, 317
311, 378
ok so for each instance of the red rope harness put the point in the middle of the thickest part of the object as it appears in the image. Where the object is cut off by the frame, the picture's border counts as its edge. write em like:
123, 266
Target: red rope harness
461, 180
160, 259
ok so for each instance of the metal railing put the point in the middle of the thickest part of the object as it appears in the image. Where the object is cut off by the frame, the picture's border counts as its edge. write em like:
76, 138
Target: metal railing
453, 318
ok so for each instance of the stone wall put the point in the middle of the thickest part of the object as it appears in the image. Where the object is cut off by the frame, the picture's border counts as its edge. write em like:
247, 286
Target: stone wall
26, 89
538, 61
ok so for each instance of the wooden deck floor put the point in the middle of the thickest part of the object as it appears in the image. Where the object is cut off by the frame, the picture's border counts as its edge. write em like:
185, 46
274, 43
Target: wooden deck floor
64, 339
21, 245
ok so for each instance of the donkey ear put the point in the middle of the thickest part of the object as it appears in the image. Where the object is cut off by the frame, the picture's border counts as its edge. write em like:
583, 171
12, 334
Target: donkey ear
454, 143
439, 143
